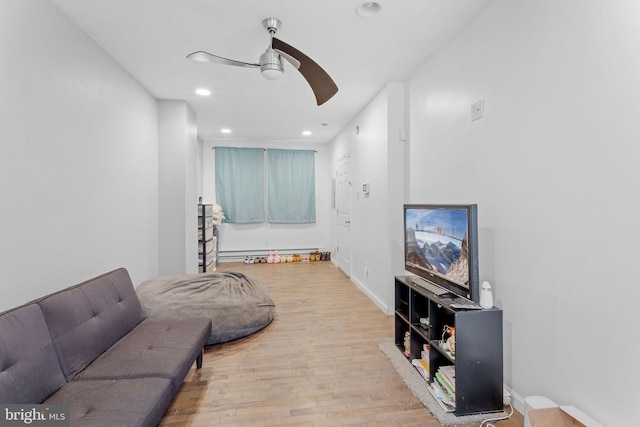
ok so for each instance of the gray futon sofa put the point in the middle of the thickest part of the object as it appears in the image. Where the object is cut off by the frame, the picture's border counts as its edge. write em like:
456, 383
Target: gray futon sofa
91, 348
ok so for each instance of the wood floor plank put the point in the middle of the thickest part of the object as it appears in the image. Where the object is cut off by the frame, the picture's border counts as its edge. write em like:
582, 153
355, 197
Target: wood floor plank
316, 365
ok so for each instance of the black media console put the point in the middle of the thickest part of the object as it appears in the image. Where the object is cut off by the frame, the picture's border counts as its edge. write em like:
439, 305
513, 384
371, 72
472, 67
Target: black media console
478, 344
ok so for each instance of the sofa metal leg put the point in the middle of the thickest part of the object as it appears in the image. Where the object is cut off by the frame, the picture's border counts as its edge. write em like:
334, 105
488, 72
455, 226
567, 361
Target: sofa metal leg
199, 359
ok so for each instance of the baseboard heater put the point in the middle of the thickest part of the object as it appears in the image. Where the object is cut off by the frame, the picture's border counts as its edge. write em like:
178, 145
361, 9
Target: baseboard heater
241, 254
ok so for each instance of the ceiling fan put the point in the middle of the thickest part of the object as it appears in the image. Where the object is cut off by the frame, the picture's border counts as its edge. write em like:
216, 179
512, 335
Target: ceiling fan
272, 67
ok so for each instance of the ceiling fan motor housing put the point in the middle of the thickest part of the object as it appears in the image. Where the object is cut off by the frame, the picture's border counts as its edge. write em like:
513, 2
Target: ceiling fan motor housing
271, 24
271, 65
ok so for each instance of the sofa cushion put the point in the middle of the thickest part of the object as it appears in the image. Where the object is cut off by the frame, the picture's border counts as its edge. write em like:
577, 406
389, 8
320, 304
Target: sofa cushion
29, 367
163, 348
86, 319
106, 403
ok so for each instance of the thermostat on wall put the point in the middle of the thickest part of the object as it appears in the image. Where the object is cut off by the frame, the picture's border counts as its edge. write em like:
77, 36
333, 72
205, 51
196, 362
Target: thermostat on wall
365, 188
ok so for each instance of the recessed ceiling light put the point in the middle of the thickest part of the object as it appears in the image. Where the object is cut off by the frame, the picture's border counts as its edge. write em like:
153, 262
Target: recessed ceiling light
306, 132
203, 92
225, 130
368, 9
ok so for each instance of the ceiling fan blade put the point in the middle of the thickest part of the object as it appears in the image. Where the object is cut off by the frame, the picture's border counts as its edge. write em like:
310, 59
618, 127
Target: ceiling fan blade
290, 59
202, 56
321, 83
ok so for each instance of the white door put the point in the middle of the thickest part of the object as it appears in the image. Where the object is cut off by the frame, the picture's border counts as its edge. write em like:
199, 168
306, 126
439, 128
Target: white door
343, 207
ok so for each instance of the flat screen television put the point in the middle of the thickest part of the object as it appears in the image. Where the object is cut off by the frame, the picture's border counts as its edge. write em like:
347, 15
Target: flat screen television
441, 248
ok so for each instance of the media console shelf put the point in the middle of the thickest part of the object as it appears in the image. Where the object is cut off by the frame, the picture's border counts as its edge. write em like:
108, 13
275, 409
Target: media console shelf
478, 347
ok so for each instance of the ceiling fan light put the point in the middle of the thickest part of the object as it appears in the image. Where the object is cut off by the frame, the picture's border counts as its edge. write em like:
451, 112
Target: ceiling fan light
271, 65
271, 74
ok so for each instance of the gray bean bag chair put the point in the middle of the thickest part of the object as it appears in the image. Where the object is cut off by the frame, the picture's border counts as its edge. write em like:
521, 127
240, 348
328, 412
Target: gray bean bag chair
238, 305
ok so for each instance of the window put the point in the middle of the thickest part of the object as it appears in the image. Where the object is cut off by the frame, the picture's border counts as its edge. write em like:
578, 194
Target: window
239, 178
291, 186
289, 175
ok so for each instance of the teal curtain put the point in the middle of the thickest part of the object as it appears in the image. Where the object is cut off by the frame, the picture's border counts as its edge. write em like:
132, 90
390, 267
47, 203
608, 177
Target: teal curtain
240, 183
291, 195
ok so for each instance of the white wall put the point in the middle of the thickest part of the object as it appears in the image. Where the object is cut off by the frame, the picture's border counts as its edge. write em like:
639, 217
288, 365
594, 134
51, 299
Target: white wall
553, 166
376, 158
78, 158
254, 238
178, 188
199, 166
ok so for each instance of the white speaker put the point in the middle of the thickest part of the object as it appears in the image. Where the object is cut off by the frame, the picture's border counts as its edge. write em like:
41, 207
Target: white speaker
486, 296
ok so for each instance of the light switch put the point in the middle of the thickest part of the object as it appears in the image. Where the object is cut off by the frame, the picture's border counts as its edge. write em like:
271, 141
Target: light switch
477, 110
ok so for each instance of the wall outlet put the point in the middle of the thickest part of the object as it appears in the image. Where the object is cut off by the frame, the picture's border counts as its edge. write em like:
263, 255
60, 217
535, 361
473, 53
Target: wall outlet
506, 396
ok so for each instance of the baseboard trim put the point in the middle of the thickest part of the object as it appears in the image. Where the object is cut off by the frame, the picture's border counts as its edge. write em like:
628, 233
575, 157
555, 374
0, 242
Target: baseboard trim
381, 305
241, 254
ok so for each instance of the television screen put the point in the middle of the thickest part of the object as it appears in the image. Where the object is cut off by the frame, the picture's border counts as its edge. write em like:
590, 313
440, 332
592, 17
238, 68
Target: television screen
441, 247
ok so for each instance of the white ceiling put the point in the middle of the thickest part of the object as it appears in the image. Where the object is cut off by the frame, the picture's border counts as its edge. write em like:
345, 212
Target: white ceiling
151, 38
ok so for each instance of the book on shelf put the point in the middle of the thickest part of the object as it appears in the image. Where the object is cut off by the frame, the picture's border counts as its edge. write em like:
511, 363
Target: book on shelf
445, 403
424, 354
445, 385
422, 366
449, 371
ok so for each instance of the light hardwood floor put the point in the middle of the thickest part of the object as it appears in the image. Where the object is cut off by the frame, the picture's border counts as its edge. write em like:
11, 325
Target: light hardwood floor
317, 363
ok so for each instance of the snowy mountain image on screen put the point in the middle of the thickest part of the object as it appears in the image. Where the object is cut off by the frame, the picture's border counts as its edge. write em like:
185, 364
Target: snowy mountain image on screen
447, 258
437, 241
440, 255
